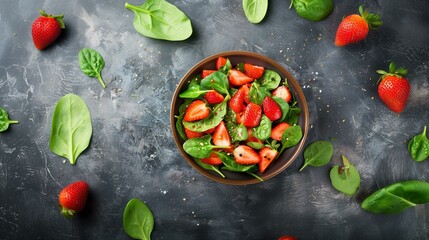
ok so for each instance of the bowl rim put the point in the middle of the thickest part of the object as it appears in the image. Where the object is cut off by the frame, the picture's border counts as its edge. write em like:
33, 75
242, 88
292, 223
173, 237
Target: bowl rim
291, 81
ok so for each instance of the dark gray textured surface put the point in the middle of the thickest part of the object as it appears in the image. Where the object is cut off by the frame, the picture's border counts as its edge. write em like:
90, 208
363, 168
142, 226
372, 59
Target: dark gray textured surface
132, 153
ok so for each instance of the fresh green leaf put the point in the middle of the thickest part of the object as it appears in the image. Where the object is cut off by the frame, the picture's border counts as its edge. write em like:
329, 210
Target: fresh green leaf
179, 125
284, 107
71, 127
138, 220
209, 167
318, 154
217, 81
345, 178
257, 93
263, 131
211, 121
91, 63
237, 132
255, 10
314, 10
270, 80
200, 147
397, 197
194, 90
231, 165
160, 19
293, 114
418, 147
5, 121
290, 137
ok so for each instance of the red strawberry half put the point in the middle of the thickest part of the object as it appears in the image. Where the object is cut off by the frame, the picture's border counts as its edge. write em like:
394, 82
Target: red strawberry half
220, 62
197, 110
236, 103
214, 159
213, 97
252, 115
267, 155
46, 29
192, 134
73, 198
277, 131
221, 136
271, 109
394, 88
246, 155
206, 73
282, 92
238, 78
253, 71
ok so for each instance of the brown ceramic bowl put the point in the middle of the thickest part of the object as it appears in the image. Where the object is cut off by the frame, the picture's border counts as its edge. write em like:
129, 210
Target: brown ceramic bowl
285, 159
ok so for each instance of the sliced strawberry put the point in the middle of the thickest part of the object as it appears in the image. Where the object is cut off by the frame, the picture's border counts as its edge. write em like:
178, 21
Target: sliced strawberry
197, 110
246, 155
239, 117
213, 159
282, 92
252, 138
221, 136
277, 131
221, 61
271, 109
213, 97
238, 78
246, 89
209, 131
192, 134
205, 73
230, 149
252, 115
236, 103
267, 155
253, 71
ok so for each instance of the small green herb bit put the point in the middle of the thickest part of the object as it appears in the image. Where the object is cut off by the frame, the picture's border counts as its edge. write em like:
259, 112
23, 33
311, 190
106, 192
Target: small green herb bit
91, 63
5, 121
419, 147
318, 154
160, 19
255, 10
397, 197
138, 220
71, 127
345, 178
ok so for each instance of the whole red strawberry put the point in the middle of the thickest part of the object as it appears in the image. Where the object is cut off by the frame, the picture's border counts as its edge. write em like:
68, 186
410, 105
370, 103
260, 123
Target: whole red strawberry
394, 88
73, 198
354, 28
46, 29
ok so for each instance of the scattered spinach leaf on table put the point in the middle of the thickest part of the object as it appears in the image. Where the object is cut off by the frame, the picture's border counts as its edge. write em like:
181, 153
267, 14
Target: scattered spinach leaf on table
5, 121
345, 178
255, 10
91, 63
314, 10
138, 220
160, 19
317, 154
419, 147
71, 127
397, 197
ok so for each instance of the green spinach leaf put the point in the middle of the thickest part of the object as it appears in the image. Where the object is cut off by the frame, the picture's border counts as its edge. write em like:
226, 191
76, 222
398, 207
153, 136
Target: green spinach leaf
263, 131
318, 154
71, 127
345, 178
257, 93
255, 10
217, 81
160, 19
314, 10
255, 145
194, 90
270, 80
179, 125
215, 117
397, 197
292, 116
200, 147
5, 121
419, 147
290, 137
138, 220
231, 165
237, 132
209, 167
91, 63
284, 106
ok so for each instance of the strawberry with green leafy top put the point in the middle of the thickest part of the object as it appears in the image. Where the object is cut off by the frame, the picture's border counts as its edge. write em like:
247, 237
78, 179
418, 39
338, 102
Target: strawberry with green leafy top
46, 29
355, 28
394, 88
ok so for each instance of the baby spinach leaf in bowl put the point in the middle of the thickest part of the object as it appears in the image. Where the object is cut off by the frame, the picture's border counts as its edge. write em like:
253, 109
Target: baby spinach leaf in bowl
71, 127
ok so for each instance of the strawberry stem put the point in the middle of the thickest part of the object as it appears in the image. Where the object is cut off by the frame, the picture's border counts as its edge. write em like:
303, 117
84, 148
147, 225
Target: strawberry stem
393, 71
59, 18
373, 20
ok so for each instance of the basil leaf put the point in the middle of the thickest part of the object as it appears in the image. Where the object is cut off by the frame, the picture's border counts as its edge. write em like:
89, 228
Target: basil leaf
263, 131
255, 10
138, 220
160, 19
91, 63
284, 106
71, 127
215, 117
5, 121
345, 178
270, 80
314, 10
194, 90
397, 197
290, 137
317, 154
419, 147
209, 167
217, 81
200, 147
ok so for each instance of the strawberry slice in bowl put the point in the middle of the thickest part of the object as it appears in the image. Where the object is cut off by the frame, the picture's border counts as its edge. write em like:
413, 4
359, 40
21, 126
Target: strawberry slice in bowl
237, 140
